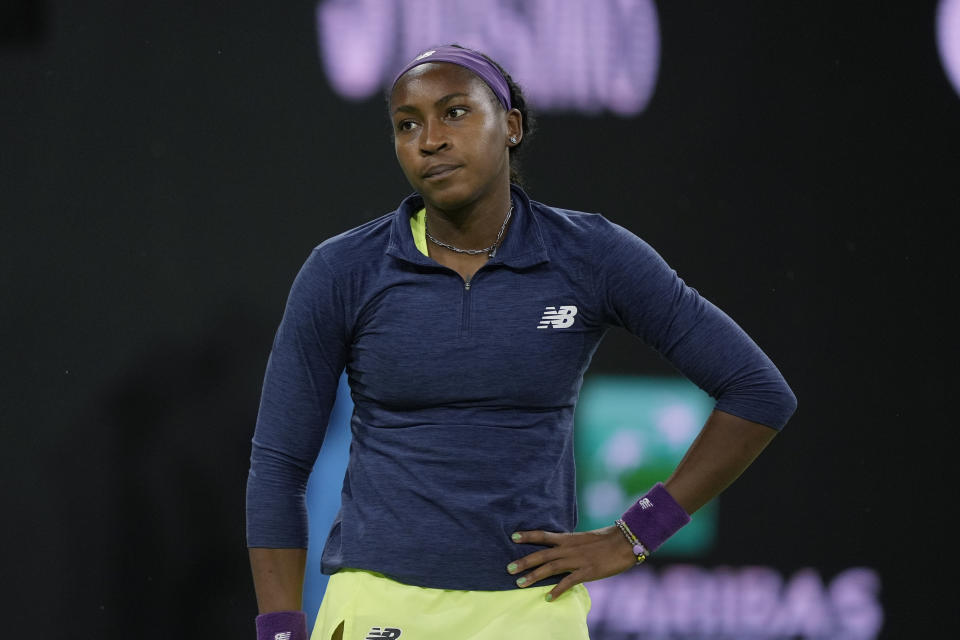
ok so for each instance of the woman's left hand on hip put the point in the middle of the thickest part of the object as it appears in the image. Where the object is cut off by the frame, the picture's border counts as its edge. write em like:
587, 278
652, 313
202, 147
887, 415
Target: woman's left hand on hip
584, 556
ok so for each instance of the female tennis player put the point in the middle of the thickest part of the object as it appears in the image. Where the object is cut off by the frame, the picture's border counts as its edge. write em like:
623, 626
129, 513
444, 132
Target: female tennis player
465, 320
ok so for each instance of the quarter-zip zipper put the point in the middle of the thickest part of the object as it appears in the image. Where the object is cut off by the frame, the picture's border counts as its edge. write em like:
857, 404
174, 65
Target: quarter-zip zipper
465, 313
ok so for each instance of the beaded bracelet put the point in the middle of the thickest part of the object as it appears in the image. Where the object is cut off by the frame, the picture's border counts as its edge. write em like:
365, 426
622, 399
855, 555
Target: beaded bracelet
638, 549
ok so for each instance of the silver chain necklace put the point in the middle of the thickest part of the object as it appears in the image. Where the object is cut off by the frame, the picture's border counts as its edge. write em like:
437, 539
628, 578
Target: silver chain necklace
491, 251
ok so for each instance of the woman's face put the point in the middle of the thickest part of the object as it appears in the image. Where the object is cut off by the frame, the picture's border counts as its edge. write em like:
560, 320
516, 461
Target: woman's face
451, 134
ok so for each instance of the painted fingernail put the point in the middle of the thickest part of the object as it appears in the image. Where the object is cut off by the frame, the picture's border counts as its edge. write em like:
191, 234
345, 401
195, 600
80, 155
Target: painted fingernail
515, 537
521, 581
511, 567
549, 597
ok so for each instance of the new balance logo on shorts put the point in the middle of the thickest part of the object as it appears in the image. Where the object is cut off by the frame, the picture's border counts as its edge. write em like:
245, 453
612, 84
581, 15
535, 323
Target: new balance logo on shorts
557, 318
387, 633
282, 636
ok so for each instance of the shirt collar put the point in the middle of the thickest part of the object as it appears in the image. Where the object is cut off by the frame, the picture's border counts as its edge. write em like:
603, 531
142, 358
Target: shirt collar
522, 245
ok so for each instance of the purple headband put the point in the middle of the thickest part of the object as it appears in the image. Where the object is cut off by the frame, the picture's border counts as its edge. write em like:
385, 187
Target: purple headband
469, 59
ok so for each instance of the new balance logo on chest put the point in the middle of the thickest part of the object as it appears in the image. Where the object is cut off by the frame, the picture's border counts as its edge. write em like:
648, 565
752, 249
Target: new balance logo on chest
557, 318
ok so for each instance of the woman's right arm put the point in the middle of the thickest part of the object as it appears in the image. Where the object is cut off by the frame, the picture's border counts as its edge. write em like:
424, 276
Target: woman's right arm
278, 578
299, 389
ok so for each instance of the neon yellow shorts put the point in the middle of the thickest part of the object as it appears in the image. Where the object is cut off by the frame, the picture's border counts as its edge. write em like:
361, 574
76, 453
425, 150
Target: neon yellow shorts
371, 605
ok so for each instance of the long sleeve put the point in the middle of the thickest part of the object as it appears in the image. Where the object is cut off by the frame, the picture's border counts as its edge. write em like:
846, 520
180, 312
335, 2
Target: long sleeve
645, 296
299, 388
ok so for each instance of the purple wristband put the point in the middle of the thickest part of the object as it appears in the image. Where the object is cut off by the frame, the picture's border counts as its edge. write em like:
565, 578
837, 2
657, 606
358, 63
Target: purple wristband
282, 625
655, 517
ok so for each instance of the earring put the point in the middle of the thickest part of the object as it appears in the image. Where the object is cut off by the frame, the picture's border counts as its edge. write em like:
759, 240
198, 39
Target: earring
513, 139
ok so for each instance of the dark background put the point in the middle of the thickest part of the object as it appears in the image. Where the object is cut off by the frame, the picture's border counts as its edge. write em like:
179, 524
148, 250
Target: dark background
165, 167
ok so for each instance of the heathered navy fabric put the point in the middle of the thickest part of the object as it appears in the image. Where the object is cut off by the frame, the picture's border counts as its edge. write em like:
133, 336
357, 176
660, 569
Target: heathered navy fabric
463, 421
